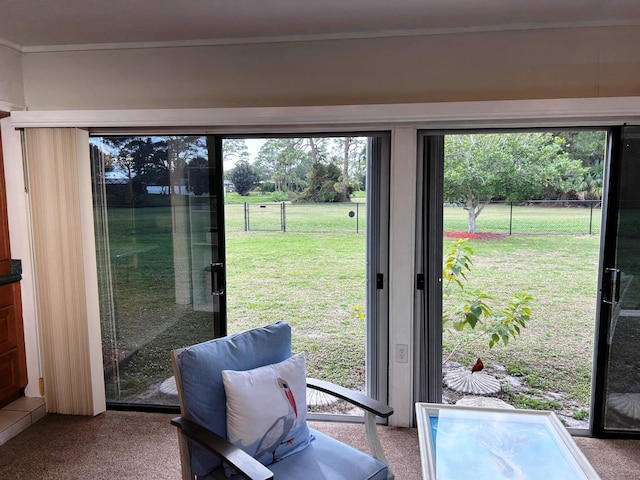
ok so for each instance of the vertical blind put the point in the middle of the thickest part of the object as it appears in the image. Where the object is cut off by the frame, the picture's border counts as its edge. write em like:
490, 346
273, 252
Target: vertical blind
52, 159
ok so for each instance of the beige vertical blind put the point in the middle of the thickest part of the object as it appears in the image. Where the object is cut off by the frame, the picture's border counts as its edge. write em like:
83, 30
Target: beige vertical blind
53, 188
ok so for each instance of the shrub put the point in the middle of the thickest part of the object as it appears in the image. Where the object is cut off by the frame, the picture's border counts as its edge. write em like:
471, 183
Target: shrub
473, 311
279, 196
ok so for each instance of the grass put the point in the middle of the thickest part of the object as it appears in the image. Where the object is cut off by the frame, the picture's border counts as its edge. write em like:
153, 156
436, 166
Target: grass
314, 278
296, 218
527, 220
312, 282
555, 351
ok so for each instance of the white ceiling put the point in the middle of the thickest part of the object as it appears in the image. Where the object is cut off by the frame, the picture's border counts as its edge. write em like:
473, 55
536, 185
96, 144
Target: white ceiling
43, 23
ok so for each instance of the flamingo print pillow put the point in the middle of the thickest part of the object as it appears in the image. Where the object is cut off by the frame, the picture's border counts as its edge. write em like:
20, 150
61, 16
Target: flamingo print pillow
267, 409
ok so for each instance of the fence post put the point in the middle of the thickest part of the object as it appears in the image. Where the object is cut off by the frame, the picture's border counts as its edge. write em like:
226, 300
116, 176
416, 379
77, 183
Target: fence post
283, 218
510, 218
357, 217
246, 217
591, 218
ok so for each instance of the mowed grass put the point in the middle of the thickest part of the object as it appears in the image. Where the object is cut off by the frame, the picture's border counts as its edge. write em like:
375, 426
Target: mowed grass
313, 279
555, 351
313, 282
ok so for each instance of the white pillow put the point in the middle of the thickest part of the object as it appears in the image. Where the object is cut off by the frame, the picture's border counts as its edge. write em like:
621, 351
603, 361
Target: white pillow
267, 409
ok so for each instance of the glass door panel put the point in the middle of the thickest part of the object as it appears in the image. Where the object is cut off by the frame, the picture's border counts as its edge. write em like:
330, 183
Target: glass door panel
507, 214
160, 250
619, 352
304, 245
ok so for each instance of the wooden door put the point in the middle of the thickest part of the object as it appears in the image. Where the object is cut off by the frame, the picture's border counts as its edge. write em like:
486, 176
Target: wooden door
5, 250
13, 369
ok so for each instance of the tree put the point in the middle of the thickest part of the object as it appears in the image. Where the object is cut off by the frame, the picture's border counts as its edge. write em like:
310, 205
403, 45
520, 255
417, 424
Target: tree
480, 168
125, 154
471, 308
234, 150
180, 150
358, 164
286, 162
155, 160
243, 177
317, 149
149, 155
352, 151
289, 163
588, 147
322, 184
198, 177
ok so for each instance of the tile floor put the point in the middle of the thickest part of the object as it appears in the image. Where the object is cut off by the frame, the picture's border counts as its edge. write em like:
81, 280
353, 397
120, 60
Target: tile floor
20, 415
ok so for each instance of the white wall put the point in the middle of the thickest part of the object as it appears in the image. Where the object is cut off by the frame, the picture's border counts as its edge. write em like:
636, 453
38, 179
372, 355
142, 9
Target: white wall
575, 62
11, 81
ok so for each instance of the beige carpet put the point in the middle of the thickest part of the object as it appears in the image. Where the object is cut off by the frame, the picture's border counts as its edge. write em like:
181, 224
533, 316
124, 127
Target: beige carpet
127, 445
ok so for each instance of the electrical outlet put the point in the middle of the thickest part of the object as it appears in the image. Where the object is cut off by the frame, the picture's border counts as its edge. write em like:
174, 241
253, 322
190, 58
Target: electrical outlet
402, 353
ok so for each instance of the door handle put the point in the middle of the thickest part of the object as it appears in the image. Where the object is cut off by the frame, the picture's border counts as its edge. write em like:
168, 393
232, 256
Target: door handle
611, 293
217, 279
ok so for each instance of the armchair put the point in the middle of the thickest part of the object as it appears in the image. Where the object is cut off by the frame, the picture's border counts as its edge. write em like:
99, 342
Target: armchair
224, 389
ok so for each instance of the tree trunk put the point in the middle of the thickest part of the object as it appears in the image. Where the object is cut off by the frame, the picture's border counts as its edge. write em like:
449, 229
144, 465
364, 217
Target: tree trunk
130, 194
314, 150
345, 170
472, 220
474, 207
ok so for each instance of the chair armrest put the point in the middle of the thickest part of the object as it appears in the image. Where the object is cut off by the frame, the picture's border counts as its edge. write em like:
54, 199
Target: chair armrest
355, 398
244, 464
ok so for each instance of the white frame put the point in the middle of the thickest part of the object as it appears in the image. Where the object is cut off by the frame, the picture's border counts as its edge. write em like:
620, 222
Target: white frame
571, 112
560, 436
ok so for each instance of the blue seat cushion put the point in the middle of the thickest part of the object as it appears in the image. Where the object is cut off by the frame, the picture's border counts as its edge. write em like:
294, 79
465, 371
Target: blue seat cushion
201, 373
324, 459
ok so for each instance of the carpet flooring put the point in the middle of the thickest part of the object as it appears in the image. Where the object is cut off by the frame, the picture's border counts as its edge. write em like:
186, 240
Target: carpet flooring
127, 445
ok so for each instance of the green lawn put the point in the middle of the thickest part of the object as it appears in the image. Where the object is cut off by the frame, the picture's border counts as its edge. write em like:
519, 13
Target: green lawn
313, 276
534, 220
312, 281
556, 347
295, 217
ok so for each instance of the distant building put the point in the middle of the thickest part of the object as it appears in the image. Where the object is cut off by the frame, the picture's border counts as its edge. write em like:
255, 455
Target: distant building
115, 177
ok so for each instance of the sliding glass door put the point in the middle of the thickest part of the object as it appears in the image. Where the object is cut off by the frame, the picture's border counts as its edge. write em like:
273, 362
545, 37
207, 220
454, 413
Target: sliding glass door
617, 395
510, 253
160, 246
306, 236
294, 229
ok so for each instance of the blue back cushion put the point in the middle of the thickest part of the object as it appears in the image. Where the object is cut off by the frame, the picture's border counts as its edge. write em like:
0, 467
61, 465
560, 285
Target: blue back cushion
201, 371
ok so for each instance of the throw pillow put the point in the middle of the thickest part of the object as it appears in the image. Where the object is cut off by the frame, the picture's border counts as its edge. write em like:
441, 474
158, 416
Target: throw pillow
267, 409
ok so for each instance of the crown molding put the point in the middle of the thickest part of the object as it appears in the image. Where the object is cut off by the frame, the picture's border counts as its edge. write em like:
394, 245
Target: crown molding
10, 107
317, 37
10, 44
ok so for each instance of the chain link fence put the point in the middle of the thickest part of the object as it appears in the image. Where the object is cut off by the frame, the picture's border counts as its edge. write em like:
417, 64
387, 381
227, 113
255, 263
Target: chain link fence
534, 217
296, 217
531, 217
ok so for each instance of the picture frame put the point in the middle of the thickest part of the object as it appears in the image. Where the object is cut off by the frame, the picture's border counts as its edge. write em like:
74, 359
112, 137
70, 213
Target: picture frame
459, 442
